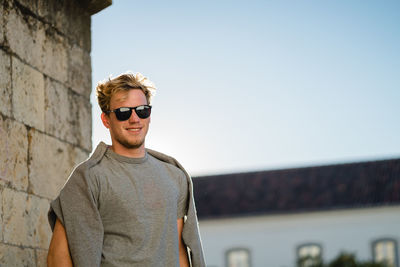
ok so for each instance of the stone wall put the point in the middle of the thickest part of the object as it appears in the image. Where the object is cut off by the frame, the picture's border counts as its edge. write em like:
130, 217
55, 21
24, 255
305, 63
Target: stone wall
45, 115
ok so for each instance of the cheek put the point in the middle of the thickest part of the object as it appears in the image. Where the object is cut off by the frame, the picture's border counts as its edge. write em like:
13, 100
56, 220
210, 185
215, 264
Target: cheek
148, 123
115, 127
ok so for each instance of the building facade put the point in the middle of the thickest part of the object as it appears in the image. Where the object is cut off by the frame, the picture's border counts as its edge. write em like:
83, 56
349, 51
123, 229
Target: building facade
275, 218
45, 115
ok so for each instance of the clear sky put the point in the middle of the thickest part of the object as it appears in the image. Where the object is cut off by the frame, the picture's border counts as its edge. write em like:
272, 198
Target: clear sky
258, 85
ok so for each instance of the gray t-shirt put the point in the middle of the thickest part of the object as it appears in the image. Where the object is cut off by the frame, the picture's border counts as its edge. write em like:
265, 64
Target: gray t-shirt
123, 211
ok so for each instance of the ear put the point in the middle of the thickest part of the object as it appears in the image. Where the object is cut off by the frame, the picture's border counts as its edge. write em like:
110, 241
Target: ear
105, 119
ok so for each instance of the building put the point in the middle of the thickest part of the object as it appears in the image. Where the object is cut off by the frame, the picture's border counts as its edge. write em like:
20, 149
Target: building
273, 218
45, 115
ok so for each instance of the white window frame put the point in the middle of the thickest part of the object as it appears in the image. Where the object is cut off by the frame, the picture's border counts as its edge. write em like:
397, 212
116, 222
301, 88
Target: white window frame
229, 252
301, 246
376, 257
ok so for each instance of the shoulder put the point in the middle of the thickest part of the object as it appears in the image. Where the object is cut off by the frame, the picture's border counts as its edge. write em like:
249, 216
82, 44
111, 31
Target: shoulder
94, 162
169, 162
87, 166
161, 156
86, 173
168, 166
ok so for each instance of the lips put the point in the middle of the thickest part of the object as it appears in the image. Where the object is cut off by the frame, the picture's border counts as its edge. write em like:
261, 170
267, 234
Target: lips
133, 129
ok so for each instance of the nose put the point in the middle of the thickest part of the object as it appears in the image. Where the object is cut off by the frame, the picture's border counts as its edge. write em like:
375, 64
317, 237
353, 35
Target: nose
134, 117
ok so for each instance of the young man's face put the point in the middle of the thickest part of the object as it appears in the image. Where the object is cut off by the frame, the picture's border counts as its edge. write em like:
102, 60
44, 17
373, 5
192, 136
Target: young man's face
130, 133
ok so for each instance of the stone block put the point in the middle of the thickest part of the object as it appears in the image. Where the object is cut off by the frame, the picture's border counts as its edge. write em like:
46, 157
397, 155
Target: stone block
5, 83
13, 151
37, 44
15, 256
58, 119
79, 71
25, 219
50, 164
28, 94
25, 36
53, 12
37, 210
79, 28
54, 56
69, 18
15, 226
83, 114
41, 257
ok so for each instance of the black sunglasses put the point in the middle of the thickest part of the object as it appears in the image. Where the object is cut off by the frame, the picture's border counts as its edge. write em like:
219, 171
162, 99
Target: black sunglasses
125, 113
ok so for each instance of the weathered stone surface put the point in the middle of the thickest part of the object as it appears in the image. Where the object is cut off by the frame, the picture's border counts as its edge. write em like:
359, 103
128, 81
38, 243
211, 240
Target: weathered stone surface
25, 36
54, 60
37, 212
69, 18
79, 71
94, 6
13, 151
78, 155
14, 218
5, 82
79, 28
58, 119
51, 162
25, 219
1, 22
1, 214
38, 44
30, 6
28, 94
53, 12
83, 113
45, 116
15, 256
41, 257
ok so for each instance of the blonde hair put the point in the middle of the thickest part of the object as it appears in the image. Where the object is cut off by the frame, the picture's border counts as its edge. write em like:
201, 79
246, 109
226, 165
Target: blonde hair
123, 82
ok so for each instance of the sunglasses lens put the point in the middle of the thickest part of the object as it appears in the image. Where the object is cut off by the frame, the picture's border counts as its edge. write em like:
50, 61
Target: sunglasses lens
143, 112
123, 114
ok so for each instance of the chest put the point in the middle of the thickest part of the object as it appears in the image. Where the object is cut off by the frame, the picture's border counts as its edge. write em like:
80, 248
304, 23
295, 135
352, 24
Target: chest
137, 194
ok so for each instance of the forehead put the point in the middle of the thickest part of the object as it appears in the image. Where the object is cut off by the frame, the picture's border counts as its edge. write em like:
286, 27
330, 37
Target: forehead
131, 98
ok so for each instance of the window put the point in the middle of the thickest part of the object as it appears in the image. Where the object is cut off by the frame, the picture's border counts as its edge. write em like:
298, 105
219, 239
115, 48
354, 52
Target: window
385, 251
238, 257
309, 255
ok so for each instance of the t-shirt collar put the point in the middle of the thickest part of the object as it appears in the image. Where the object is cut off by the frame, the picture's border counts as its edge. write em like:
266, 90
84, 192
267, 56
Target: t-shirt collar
110, 153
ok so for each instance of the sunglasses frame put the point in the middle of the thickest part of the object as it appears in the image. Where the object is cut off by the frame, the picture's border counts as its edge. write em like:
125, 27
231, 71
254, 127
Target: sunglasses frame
130, 111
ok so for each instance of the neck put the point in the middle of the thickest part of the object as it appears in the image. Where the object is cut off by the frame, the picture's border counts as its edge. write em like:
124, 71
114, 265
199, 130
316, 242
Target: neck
139, 152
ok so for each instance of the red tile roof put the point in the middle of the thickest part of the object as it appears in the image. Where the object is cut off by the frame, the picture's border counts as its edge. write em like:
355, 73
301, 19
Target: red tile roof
351, 185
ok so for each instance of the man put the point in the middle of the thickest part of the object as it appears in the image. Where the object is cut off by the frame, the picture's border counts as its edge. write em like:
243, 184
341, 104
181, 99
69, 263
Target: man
126, 205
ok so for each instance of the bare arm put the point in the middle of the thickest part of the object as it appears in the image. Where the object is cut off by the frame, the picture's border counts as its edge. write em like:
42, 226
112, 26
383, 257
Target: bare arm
58, 251
183, 256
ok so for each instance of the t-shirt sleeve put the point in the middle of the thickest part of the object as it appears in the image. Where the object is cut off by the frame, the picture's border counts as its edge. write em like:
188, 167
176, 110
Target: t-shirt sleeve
76, 208
183, 198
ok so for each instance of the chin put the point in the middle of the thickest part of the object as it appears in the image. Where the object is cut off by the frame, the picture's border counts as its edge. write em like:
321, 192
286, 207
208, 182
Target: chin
131, 145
